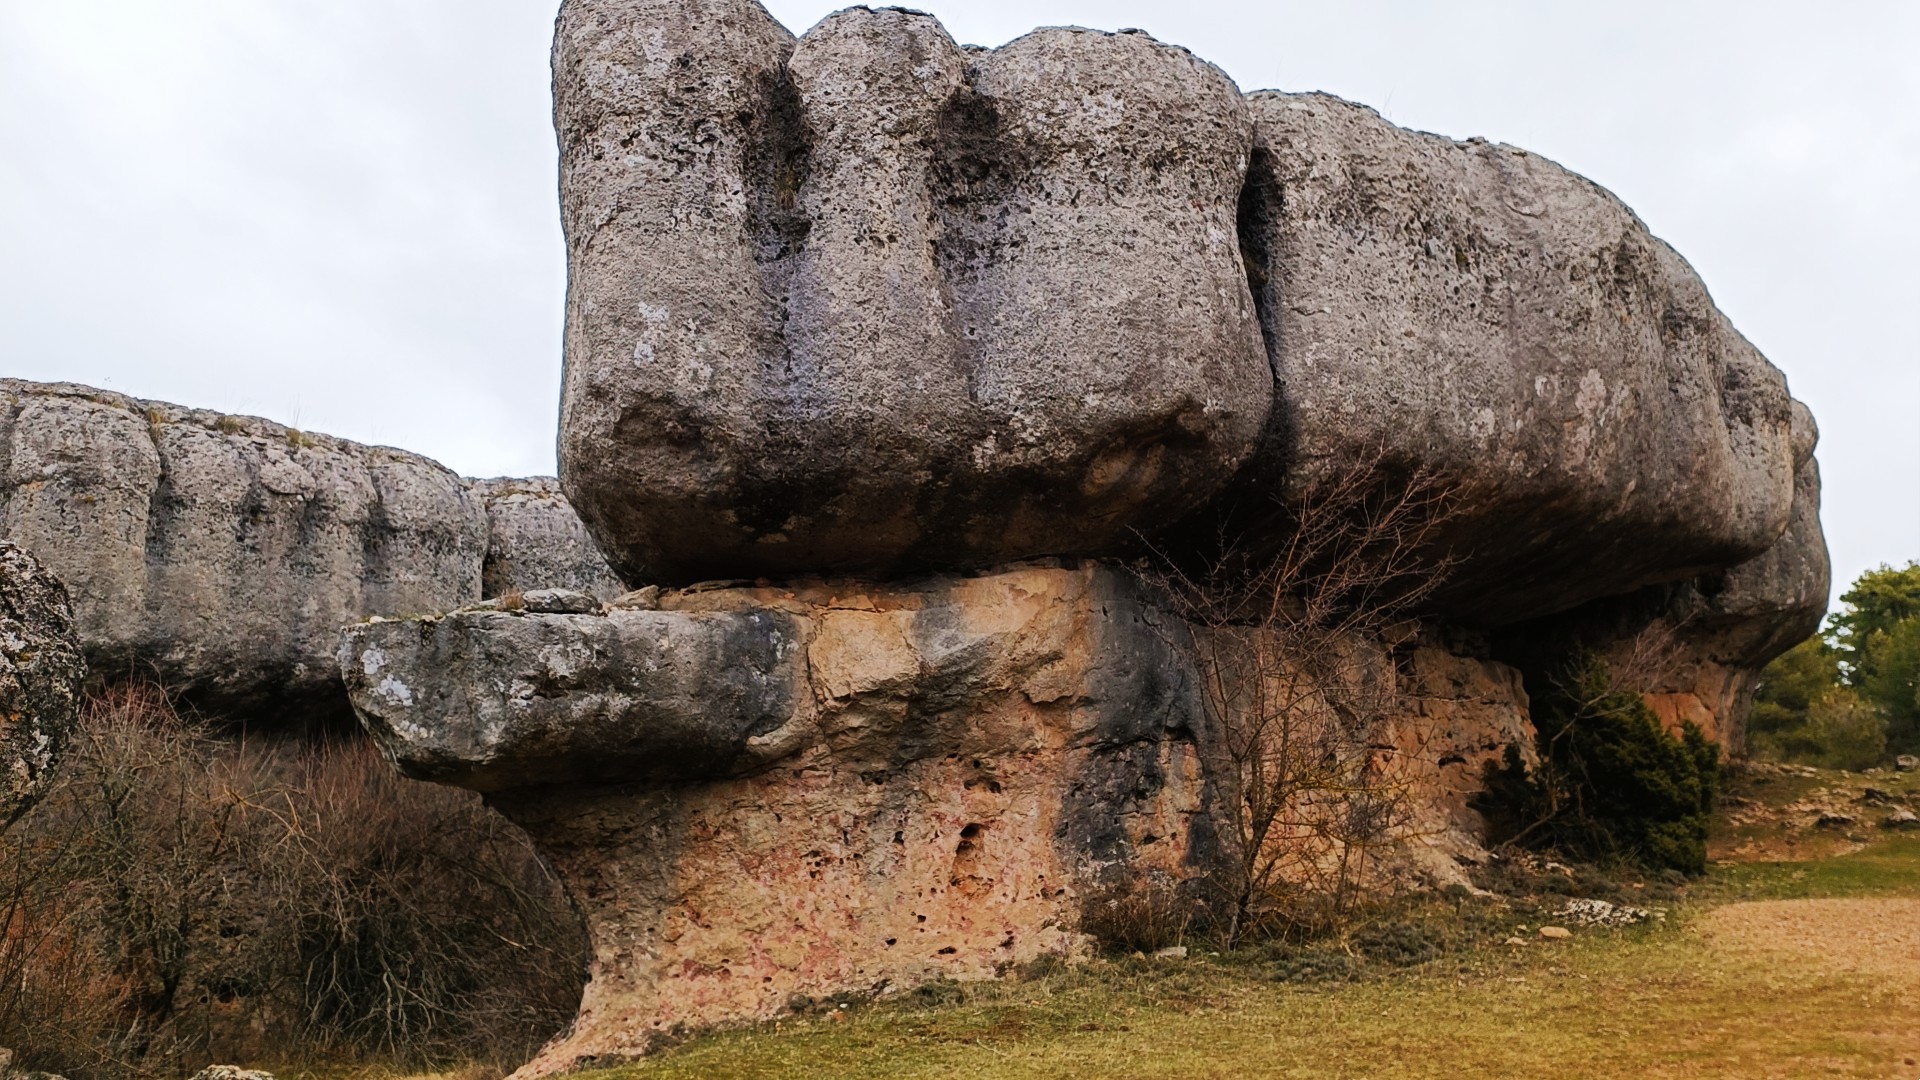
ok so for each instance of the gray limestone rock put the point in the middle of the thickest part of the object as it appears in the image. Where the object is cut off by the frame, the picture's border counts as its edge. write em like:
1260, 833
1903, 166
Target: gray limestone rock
220, 555
499, 699
869, 300
536, 541
1696, 648
41, 671
1482, 312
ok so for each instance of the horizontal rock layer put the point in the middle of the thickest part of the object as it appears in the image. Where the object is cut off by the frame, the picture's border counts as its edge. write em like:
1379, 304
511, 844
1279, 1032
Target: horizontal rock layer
41, 670
220, 555
1480, 312
757, 793
867, 300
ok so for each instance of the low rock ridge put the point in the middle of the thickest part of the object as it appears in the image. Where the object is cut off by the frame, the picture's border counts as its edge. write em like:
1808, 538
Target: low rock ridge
220, 555
842, 786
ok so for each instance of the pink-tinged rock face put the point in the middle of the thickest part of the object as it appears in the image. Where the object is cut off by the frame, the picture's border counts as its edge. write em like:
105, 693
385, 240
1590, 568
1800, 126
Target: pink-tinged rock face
762, 794
869, 300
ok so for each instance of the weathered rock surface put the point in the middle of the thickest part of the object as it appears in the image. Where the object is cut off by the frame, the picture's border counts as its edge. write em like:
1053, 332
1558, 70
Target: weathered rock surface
222, 554
536, 541
41, 671
868, 300
844, 787
1696, 648
1482, 312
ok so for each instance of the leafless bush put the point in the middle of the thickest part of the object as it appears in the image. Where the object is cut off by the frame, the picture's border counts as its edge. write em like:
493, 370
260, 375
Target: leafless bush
1139, 916
179, 897
1294, 652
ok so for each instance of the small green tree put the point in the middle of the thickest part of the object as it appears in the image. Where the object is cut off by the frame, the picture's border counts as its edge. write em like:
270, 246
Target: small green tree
1787, 689
1889, 680
1612, 782
1848, 699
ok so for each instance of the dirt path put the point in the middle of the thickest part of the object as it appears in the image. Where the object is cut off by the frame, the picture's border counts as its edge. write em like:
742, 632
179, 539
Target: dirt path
1872, 937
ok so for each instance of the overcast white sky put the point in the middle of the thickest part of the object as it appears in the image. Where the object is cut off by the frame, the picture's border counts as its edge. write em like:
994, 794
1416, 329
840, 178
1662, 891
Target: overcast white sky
341, 214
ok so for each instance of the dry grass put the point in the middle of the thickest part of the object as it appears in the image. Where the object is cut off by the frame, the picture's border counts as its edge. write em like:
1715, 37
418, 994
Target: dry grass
180, 898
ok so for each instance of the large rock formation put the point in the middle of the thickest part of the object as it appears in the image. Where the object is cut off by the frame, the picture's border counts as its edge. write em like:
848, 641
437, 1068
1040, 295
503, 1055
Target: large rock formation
40, 675
536, 541
758, 793
868, 300
1481, 312
220, 555
866, 303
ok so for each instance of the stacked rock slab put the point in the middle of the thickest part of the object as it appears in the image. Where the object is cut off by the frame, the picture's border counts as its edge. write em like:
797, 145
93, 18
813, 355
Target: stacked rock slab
1479, 311
869, 300
758, 793
41, 671
220, 555
536, 541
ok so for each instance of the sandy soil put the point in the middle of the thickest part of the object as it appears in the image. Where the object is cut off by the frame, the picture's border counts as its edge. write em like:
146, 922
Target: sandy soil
1871, 937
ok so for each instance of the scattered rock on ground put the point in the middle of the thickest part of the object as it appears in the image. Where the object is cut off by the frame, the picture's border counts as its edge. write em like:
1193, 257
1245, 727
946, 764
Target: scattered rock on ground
1902, 819
1555, 933
231, 1072
1604, 913
1906, 763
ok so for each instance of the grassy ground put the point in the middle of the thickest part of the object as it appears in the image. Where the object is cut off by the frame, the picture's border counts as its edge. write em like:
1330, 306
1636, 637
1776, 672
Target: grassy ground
1741, 980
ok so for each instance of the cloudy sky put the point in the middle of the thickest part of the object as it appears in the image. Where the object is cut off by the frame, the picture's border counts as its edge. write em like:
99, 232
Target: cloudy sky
341, 214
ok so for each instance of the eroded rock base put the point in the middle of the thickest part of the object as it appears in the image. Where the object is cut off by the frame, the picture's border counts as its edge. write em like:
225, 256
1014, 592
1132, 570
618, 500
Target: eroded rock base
758, 795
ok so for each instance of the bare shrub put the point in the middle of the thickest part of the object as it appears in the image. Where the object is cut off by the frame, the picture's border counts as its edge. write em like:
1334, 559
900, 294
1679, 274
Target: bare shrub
1146, 915
178, 898
1295, 658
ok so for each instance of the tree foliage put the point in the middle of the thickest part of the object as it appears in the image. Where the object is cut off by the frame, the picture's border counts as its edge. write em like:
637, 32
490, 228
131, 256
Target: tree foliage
1611, 783
1850, 698
1872, 610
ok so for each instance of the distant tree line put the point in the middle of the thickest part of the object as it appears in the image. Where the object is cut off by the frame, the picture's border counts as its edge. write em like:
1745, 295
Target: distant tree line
1850, 697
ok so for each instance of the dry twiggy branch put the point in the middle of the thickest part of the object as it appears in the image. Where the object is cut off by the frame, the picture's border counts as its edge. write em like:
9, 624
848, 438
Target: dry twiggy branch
1293, 650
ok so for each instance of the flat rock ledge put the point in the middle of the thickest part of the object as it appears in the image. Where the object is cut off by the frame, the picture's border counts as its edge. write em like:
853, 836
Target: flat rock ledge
758, 794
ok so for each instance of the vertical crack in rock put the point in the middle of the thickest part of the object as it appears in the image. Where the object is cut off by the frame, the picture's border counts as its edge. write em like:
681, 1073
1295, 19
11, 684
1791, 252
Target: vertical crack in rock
1481, 312
870, 301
